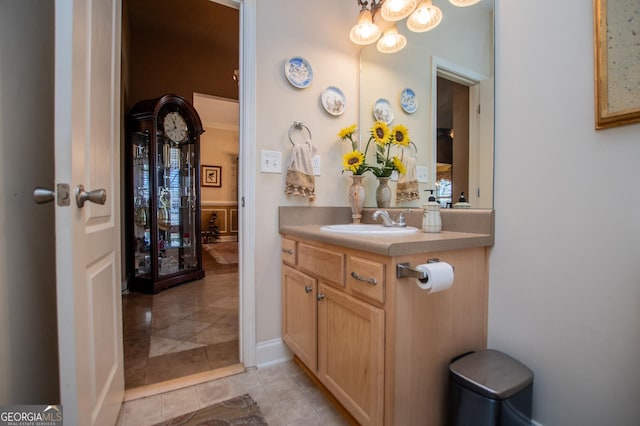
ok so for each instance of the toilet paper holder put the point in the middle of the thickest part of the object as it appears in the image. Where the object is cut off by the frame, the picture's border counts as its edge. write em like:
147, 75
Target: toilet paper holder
404, 270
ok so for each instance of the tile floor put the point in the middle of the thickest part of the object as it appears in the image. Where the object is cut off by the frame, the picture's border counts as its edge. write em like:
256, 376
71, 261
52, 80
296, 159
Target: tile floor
286, 396
183, 330
192, 328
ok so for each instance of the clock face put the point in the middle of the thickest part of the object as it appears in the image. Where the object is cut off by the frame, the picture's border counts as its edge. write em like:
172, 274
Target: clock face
175, 128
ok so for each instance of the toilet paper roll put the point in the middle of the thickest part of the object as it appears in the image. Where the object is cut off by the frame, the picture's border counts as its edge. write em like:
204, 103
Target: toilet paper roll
439, 276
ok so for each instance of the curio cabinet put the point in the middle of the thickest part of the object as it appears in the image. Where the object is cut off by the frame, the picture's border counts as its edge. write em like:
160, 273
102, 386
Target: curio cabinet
163, 194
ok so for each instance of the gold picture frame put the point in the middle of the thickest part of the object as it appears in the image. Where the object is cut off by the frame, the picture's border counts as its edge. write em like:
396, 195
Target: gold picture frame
617, 69
211, 176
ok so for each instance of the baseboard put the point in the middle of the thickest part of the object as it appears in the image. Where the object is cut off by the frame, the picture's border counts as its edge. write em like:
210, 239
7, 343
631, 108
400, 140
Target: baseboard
272, 352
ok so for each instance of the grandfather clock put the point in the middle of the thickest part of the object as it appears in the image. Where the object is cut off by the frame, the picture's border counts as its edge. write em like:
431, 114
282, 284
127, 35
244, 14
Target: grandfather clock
163, 194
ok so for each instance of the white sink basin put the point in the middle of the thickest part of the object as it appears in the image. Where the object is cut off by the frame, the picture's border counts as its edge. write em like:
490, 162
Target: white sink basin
371, 229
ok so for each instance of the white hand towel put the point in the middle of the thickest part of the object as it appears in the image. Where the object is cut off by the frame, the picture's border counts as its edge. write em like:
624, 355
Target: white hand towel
407, 189
300, 178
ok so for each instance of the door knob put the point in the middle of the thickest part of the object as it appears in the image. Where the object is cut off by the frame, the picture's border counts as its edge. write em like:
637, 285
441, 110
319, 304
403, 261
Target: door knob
308, 289
98, 196
44, 195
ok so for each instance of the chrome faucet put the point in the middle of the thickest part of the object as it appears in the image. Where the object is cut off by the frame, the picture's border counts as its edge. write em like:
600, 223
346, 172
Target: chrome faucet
388, 222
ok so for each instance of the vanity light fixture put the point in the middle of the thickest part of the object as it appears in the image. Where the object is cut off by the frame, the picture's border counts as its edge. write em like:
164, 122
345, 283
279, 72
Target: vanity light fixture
426, 17
421, 16
391, 41
464, 3
365, 31
395, 10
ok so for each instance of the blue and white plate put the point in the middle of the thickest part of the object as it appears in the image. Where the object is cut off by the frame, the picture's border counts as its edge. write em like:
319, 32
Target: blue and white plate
298, 72
333, 100
382, 111
408, 101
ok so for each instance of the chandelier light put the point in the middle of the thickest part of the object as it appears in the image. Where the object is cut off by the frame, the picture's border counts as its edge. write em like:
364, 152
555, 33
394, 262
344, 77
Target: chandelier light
464, 3
426, 17
365, 31
421, 16
395, 10
391, 41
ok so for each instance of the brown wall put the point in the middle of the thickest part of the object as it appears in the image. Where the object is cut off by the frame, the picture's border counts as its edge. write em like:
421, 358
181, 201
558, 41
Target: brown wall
181, 48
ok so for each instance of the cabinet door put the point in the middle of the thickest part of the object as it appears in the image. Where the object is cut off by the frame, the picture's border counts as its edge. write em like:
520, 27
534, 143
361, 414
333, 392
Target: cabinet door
299, 315
351, 353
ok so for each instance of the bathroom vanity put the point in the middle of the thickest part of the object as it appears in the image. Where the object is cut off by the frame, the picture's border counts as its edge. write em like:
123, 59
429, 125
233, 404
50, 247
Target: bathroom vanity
378, 343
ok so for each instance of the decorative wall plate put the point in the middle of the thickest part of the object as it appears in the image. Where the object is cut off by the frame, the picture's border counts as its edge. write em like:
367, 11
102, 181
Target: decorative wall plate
298, 72
408, 101
333, 100
382, 111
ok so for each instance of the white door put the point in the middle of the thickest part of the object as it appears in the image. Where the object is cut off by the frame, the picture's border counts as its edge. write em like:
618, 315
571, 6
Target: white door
88, 270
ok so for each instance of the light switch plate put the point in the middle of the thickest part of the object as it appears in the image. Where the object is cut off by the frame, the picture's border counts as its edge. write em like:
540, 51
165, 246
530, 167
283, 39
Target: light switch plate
316, 165
423, 174
270, 161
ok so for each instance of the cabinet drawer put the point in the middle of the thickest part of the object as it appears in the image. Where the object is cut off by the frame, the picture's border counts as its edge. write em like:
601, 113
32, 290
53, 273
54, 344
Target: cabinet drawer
322, 263
366, 278
289, 251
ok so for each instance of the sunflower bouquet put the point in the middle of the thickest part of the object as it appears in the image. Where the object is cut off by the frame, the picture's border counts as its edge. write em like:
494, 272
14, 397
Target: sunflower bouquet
384, 138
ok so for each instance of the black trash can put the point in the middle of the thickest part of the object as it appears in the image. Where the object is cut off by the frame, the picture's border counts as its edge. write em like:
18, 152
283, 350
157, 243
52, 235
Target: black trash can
489, 388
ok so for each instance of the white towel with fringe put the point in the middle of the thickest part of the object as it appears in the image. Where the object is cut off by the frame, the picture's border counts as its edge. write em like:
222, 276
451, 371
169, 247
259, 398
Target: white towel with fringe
300, 178
407, 189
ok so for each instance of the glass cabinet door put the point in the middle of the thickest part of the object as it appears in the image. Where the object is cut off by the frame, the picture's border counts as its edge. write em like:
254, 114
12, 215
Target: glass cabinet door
141, 194
176, 207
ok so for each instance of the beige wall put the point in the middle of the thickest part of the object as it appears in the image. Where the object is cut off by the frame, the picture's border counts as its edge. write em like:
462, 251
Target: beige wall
219, 147
318, 31
565, 275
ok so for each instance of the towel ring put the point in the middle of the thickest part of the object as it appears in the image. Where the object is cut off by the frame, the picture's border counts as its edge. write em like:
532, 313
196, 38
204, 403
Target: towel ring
298, 125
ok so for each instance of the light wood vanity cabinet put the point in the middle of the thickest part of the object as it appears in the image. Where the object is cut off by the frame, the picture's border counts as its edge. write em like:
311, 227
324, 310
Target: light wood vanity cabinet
380, 344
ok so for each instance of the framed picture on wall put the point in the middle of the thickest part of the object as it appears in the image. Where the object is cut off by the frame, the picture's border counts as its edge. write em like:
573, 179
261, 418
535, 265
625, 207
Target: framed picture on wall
212, 176
616, 27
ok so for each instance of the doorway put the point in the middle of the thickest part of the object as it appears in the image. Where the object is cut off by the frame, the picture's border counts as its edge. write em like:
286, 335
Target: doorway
193, 327
452, 159
462, 108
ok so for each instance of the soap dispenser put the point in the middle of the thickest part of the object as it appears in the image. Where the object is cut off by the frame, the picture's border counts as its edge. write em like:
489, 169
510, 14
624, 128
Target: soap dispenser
431, 220
462, 202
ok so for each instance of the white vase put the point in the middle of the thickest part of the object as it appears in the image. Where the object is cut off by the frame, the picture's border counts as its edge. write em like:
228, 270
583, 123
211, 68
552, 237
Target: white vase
383, 192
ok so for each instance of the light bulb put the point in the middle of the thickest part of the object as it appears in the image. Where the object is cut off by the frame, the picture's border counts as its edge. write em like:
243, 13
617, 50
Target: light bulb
365, 31
395, 10
426, 17
464, 3
391, 41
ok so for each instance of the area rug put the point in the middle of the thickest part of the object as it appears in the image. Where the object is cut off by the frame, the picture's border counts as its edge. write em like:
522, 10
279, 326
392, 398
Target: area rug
241, 410
224, 253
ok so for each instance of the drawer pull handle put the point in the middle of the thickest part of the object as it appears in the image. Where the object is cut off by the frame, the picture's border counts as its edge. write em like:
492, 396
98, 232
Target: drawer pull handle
287, 251
371, 281
308, 289
320, 296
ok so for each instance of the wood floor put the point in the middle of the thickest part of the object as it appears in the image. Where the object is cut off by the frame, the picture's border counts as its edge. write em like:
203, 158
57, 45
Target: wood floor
183, 330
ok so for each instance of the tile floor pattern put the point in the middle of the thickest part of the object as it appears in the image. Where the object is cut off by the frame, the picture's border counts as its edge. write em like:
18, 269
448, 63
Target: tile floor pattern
286, 396
183, 330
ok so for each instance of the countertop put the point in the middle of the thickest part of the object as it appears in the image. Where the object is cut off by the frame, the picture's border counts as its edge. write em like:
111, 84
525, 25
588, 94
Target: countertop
468, 229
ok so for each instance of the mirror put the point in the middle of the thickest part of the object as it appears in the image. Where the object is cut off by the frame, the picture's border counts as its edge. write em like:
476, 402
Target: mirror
459, 51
